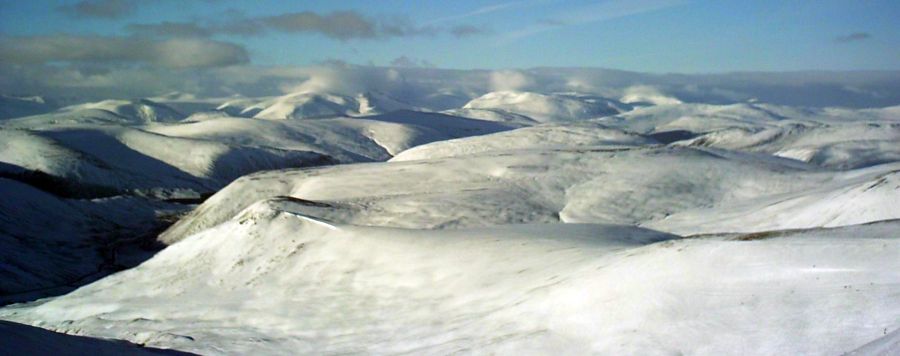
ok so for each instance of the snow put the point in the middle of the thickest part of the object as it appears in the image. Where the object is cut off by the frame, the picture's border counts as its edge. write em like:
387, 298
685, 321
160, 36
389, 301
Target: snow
548, 108
127, 159
305, 105
301, 285
310, 105
627, 185
883, 346
137, 111
851, 198
522, 222
535, 137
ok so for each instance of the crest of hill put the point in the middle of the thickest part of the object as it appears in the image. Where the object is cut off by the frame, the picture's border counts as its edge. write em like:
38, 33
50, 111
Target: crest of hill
544, 108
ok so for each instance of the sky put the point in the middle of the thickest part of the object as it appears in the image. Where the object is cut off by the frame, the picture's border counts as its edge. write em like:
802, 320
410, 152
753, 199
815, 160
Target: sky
659, 36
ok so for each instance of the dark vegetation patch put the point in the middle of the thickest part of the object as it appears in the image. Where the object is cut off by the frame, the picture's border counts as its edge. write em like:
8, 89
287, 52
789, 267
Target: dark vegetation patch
119, 248
191, 200
762, 235
60, 187
302, 201
668, 137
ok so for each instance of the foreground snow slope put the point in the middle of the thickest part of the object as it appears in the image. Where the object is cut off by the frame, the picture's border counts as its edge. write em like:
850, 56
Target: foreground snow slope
272, 280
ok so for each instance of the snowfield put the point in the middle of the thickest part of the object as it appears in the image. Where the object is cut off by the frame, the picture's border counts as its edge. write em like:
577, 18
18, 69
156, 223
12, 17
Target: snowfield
547, 108
535, 222
275, 281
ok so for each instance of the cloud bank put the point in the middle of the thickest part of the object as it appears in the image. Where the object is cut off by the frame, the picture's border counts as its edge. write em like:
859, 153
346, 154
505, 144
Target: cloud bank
340, 25
443, 88
170, 53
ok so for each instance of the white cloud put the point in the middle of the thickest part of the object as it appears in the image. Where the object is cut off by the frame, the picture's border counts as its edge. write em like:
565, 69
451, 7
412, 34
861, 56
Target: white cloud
646, 94
442, 88
510, 80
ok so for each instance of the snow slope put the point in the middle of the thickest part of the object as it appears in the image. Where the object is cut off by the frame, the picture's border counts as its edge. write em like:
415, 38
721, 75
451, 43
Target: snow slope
140, 111
132, 148
272, 280
128, 146
610, 185
884, 346
848, 198
370, 138
492, 115
545, 136
310, 105
571, 173
521, 223
547, 108
830, 137
129, 159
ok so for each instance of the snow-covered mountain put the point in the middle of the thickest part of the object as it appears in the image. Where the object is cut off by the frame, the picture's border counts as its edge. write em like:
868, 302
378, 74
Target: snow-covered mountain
273, 280
830, 137
127, 155
537, 221
544, 107
143, 146
310, 105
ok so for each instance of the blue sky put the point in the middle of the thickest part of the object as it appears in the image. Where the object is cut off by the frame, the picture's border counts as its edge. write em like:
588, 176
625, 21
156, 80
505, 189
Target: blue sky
641, 35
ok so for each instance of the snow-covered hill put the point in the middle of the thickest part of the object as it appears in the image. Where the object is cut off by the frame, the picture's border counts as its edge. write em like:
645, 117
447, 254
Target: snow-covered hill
522, 222
545, 136
125, 148
272, 280
310, 105
831, 137
126, 159
130, 147
623, 185
543, 107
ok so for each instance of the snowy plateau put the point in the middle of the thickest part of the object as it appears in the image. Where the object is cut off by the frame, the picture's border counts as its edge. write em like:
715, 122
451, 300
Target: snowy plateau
461, 219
